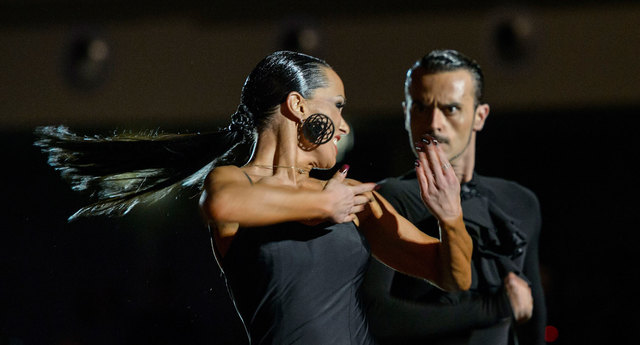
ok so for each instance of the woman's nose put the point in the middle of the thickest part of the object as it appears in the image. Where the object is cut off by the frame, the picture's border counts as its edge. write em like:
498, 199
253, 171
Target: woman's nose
344, 127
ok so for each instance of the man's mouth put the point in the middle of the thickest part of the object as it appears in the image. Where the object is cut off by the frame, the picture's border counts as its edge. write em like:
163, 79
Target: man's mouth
438, 138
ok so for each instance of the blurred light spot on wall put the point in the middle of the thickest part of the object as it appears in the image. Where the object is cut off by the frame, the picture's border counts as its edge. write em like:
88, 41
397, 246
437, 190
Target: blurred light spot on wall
87, 60
513, 36
302, 36
550, 334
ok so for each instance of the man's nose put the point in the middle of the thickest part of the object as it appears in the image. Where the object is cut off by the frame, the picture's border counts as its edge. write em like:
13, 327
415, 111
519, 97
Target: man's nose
436, 119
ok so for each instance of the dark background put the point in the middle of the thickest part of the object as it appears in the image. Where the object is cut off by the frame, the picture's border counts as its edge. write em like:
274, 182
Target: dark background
150, 278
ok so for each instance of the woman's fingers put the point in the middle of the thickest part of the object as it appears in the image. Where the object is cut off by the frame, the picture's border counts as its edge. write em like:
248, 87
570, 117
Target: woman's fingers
439, 186
349, 196
362, 199
357, 209
437, 166
434, 159
421, 173
363, 188
339, 176
423, 158
445, 166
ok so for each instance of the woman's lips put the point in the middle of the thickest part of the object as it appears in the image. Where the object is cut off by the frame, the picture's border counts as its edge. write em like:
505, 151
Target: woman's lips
335, 142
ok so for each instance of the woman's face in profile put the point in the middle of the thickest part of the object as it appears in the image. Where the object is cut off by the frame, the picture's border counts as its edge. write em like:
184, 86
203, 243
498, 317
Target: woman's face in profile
330, 102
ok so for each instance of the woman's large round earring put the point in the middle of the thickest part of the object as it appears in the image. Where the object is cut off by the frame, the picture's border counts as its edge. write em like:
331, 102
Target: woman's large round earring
317, 129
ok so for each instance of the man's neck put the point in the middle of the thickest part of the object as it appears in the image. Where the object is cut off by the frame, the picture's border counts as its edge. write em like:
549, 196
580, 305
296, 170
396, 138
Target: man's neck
464, 164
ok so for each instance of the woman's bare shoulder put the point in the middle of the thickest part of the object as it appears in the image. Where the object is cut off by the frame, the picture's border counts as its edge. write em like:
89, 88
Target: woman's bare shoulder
225, 174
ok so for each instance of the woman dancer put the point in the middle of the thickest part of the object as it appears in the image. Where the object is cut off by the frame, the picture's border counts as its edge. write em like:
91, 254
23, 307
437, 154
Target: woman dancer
288, 243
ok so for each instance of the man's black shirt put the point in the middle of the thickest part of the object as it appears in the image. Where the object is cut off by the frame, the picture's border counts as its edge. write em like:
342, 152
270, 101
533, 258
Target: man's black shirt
503, 220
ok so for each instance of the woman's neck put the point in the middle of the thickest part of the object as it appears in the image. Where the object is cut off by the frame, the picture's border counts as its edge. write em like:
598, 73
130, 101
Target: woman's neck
277, 155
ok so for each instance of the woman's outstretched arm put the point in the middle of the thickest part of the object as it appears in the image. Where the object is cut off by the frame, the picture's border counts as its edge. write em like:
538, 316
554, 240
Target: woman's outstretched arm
446, 262
230, 197
399, 244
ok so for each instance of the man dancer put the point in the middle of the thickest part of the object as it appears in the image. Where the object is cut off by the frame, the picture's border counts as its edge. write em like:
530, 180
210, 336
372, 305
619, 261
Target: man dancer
505, 305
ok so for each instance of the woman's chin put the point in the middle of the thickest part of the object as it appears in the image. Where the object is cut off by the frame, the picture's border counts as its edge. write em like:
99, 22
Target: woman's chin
327, 166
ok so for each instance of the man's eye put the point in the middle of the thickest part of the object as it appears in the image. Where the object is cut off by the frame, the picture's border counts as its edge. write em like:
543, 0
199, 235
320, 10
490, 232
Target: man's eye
452, 109
339, 105
419, 107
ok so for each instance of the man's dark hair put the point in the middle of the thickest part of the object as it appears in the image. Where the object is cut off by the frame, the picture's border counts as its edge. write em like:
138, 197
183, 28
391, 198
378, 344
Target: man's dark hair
446, 61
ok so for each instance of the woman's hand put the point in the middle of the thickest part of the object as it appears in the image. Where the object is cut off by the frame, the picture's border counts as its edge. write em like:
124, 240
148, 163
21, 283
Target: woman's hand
440, 191
439, 186
348, 199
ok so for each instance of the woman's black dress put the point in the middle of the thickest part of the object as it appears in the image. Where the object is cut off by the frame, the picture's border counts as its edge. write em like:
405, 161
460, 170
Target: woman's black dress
297, 284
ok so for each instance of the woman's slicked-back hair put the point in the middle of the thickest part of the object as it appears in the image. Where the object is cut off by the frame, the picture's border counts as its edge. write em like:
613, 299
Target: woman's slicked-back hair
123, 170
277, 75
449, 60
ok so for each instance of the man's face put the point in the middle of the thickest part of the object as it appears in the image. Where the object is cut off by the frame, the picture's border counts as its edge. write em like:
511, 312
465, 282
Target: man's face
442, 105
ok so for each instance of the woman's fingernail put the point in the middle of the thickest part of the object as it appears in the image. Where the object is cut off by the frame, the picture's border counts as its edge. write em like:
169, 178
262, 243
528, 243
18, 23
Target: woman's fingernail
377, 187
417, 163
344, 168
426, 141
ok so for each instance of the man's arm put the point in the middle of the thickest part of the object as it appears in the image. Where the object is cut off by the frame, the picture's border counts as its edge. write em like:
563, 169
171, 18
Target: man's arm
532, 332
392, 319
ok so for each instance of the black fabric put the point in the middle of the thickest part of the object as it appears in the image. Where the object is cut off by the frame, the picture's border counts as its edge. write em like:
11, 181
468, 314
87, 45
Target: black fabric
503, 220
296, 284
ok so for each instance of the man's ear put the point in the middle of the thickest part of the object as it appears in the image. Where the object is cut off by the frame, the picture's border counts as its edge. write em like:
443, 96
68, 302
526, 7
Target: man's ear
407, 117
480, 116
295, 106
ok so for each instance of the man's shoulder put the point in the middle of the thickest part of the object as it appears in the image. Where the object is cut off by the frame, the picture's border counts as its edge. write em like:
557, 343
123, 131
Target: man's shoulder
403, 192
501, 190
399, 184
501, 185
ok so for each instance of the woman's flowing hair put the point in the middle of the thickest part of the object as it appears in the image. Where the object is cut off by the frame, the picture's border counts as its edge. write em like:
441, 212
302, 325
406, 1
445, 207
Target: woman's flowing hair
123, 170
